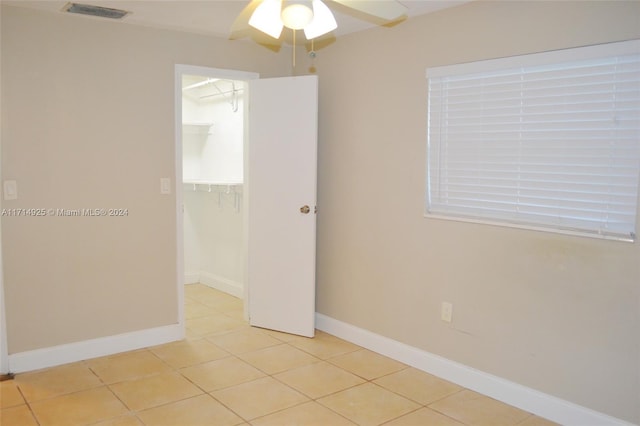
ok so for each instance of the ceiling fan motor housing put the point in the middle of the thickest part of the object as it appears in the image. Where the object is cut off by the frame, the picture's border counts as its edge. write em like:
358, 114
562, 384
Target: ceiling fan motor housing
296, 14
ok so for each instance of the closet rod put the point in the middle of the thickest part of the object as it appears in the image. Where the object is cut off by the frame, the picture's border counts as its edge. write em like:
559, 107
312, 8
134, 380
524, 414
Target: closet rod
221, 93
200, 84
234, 95
205, 82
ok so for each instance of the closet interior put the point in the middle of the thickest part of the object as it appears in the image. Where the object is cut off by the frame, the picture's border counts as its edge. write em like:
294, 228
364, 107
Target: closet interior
212, 166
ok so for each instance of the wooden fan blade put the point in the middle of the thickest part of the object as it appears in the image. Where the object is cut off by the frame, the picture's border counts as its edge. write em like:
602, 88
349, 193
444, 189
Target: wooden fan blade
240, 26
241, 29
385, 9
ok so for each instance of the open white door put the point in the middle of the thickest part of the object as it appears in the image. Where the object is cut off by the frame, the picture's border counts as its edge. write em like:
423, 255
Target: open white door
282, 150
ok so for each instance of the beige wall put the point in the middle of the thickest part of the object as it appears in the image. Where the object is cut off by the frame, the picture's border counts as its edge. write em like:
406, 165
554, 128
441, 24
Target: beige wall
556, 313
88, 122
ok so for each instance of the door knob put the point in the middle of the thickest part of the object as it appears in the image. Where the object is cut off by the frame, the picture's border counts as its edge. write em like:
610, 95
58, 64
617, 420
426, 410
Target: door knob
305, 209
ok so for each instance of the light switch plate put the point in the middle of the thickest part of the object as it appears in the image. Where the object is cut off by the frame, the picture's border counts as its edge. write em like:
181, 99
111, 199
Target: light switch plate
446, 313
10, 190
165, 186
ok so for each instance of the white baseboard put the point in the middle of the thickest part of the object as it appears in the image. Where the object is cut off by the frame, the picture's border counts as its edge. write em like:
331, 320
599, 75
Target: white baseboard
73, 352
220, 283
538, 403
191, 278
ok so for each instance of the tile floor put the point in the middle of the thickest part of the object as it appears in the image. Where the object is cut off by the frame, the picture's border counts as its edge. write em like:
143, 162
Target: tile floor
228, 373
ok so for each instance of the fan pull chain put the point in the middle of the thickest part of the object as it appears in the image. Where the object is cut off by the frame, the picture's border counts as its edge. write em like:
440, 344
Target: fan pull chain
294, 48
312, 55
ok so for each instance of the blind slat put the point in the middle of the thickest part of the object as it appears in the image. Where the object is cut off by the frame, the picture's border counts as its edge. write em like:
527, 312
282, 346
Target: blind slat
554, 143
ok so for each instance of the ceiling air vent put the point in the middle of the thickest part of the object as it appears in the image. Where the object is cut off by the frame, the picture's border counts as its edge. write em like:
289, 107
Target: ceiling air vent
87, 9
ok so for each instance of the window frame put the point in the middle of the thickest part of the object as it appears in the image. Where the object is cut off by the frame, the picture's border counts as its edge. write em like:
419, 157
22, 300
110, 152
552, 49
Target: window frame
526, 61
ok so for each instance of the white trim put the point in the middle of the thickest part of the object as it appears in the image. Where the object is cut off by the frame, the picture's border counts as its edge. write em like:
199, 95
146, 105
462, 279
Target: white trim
223, 284
180, 70
226, 285
500, 147
506, 224
627, 47
177, 87
533, 401
191, 278
87, 349
4, 355
214, 73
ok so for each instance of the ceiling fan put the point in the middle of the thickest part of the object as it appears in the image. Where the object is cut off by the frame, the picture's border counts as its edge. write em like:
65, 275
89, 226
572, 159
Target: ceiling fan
314, 17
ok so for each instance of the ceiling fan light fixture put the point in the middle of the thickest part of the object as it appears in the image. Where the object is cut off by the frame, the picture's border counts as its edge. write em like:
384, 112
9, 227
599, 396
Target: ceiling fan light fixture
322, 23
266, 18
297, 16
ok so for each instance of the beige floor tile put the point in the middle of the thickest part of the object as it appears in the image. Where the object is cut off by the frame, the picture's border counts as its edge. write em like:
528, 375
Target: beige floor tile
216, 299
190, 302
319, 379
536, 421
127, 366
10, 396
167, 384
201, 410
223, 302
324, 345
197, 310
191, 335
18, 416
308, 414
128, 420
276, 359
367, 364
236, 314
259, 398
212, 324
220, 374
80, 408
417, 385
475, 409
424, 416
195, 291
245, 340
283, 337
368, 404
151, 391
56, 381
186, 353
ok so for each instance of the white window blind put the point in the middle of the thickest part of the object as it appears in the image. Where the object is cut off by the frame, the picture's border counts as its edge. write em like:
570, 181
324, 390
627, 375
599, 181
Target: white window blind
547, 141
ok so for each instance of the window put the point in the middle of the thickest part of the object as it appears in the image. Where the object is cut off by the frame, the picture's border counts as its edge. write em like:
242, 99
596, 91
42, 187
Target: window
545, 141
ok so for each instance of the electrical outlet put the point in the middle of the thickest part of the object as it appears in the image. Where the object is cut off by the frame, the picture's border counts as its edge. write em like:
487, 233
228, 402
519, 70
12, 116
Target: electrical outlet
446, 312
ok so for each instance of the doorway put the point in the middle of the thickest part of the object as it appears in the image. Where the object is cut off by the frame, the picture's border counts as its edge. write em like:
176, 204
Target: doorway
210, 129
275, 200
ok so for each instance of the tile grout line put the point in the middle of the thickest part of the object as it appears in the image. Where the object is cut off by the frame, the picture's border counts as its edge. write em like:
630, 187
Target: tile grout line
205, 337
319, 359
290, 344
109, 389
28, 404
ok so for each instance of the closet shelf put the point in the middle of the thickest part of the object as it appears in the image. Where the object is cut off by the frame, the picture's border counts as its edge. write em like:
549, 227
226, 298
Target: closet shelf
197, 128
210, 182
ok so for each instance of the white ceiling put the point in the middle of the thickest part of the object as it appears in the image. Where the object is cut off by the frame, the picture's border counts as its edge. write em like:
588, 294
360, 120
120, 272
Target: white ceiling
215, 17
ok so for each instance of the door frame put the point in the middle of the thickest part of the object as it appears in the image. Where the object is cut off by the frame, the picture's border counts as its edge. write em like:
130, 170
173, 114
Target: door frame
180, 70
4, 350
